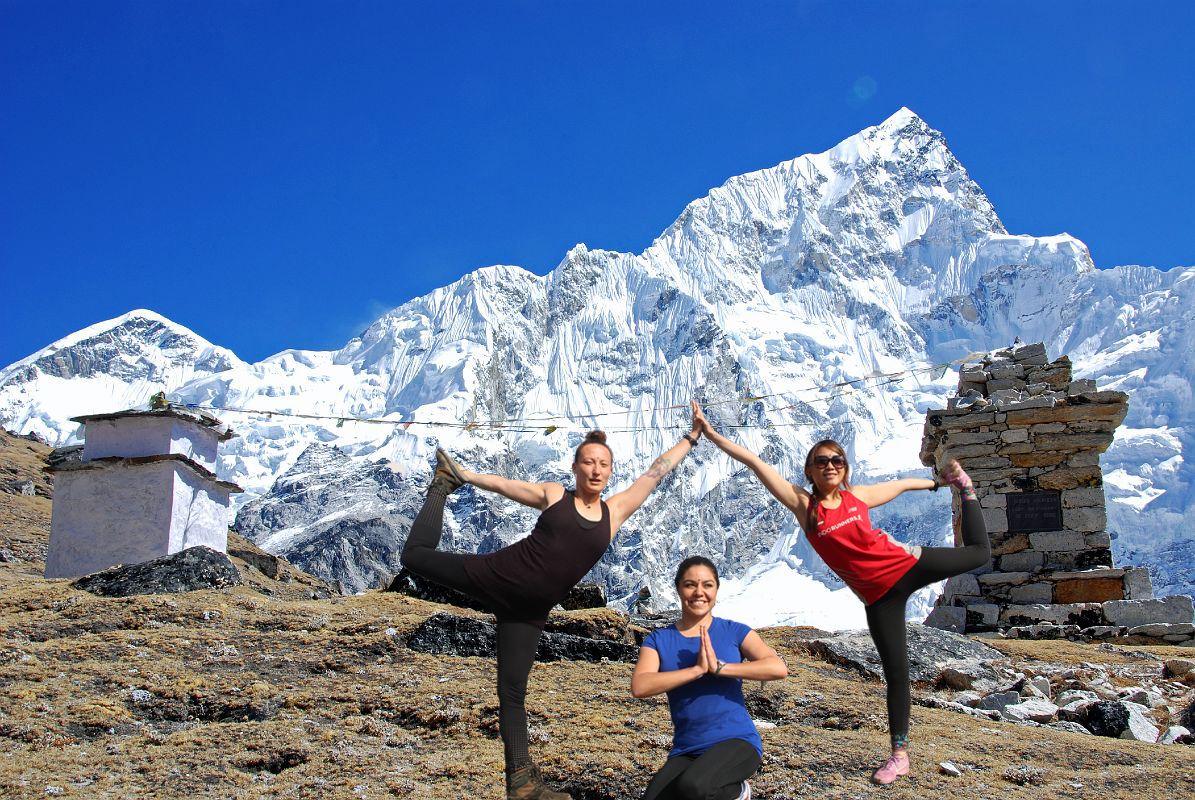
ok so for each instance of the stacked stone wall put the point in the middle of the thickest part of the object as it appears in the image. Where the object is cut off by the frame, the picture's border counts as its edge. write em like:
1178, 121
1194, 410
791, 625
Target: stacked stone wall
1022, 424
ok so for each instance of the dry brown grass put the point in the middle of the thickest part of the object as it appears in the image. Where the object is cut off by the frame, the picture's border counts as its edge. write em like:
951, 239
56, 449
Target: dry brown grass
235, 693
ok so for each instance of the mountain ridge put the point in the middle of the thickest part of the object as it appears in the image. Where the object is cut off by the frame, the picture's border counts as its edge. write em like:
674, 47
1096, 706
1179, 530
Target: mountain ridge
879, 255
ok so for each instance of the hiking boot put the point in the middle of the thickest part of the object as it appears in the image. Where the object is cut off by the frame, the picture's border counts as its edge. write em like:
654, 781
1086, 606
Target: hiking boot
953, 474
893, 768
449, 476
528, 784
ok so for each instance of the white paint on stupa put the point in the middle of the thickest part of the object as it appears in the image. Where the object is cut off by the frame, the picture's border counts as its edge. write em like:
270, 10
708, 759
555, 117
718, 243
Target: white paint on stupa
145, 488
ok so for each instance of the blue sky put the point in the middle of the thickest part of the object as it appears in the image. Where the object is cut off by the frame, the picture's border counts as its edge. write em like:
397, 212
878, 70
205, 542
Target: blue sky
278, 174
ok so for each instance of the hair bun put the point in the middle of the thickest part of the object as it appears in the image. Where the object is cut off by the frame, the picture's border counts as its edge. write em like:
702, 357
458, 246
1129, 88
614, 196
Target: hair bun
596, 436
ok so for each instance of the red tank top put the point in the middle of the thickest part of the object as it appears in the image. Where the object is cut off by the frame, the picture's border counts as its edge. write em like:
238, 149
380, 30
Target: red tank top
869, 561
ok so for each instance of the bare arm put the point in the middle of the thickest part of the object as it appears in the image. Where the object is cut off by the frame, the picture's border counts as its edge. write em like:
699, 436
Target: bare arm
791, 495
627, 502
648, 681
764, 664
536, 495
880, 493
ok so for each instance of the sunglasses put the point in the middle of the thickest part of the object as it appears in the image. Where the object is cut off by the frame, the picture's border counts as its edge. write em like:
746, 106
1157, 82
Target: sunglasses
838, 461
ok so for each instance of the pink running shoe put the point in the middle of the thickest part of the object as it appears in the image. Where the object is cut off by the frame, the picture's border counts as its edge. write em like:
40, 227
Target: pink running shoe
893, 768
953, 474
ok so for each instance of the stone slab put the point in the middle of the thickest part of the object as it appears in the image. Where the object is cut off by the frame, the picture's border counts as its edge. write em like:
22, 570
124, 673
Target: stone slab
1131, 613
1054, 541
1084, 519
1089, 590
1160, 629
1137, 584
1072, 478
1025, 561
1086, 496
1032, 593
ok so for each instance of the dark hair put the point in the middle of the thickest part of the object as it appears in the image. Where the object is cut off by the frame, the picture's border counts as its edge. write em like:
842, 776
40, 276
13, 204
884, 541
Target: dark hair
811, 520
593, 437
694, 561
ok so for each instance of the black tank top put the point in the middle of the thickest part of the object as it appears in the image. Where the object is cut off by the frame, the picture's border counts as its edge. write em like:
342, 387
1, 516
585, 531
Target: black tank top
535, 573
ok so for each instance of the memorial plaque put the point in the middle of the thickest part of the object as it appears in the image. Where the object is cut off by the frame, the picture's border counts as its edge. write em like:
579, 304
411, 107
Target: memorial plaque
1034, 511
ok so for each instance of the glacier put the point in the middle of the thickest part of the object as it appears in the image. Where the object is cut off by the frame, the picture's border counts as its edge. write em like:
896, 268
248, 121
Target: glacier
869, 263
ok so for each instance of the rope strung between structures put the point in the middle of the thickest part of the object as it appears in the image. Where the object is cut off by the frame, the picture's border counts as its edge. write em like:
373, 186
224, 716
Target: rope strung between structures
846, 387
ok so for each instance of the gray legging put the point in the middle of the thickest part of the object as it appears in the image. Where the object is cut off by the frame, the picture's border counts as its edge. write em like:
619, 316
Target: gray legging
517, 639
886, 616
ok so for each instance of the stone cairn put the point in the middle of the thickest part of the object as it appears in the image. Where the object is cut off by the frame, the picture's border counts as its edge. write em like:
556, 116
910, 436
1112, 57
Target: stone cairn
1030, 437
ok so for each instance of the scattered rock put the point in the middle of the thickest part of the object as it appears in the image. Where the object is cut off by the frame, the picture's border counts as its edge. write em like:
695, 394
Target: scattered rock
963, 675
185, 571
1173, 734
998, 701
1068, 696
947, 768
1070, 727
1032, 710
1140, 728
25, 487
1178, 669
1025, 775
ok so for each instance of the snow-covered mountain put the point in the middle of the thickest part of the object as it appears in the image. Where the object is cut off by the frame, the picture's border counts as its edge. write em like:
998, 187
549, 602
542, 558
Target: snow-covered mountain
878, 256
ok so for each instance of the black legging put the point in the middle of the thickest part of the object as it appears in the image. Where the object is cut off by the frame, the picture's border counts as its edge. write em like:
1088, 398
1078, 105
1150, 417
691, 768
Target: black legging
716, 774
886, 616
517, 639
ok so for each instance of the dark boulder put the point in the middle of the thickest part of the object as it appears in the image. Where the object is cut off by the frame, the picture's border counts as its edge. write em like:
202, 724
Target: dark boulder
185, 571
412, 585
584, 595
1106, 718
449, 634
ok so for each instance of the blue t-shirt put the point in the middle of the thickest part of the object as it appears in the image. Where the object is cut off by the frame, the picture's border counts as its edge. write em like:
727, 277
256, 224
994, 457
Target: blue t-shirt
710, 709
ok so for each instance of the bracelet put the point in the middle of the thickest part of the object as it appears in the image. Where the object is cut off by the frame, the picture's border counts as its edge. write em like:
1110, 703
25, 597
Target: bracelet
721, 664
690, 440
937, 484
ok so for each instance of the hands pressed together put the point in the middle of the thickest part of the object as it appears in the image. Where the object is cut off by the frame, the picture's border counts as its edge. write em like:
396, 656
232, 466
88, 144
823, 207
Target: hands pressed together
707, 659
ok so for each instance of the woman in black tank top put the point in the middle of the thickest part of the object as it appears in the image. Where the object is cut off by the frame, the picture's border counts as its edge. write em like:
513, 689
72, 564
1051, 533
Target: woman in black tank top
522, 582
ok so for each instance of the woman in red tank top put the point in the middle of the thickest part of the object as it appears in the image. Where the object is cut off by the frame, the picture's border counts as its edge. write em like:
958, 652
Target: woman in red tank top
883, 572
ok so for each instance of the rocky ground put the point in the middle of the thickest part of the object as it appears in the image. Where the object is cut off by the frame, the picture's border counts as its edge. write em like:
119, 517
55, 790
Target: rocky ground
275, 688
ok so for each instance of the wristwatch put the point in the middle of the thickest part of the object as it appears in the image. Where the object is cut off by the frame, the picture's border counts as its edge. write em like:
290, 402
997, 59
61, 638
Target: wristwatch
690, 440
721, 664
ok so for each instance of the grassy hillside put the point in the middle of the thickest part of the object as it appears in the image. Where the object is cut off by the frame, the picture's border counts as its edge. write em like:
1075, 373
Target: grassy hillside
262, 691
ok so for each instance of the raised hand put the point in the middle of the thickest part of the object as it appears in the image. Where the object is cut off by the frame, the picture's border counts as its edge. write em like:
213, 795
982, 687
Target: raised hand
700, 423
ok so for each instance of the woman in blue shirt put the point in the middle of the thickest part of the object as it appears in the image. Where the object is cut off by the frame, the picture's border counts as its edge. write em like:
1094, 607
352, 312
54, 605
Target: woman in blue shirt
701, 662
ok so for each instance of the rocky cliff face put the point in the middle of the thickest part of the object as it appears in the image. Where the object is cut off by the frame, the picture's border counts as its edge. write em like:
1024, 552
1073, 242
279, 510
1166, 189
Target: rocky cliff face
791, 301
